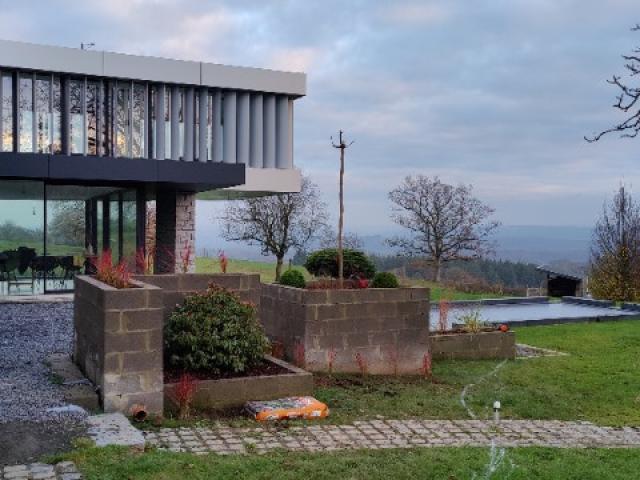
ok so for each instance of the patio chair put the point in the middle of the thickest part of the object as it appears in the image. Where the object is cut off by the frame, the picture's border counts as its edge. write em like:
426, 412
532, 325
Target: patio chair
70, 267
44, 266
9, 268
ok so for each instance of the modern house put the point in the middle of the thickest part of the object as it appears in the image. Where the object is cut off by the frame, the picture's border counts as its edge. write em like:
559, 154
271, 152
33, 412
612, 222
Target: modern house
89, 138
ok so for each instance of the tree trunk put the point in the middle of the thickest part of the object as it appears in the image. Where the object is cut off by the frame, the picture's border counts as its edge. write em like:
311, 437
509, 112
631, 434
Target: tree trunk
437, 266
279, 262
341, 219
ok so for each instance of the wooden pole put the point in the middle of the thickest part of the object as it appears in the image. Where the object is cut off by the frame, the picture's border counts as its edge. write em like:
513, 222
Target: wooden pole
342, 146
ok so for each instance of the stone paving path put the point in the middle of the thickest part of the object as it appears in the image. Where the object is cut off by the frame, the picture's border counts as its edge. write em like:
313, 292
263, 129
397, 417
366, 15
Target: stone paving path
377, 434
41, 471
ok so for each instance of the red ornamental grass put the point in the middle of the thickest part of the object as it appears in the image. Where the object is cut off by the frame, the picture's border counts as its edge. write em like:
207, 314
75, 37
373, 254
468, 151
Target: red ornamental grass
144, 261
393, 358
331, 358
183, 394
117, 276
362, 364
186, 256
299, 355
223, 260
427, 371
444, 307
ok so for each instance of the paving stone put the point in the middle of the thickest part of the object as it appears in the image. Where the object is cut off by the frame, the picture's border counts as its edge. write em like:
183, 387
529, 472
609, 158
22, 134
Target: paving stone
115, 429
395, 434
41, 471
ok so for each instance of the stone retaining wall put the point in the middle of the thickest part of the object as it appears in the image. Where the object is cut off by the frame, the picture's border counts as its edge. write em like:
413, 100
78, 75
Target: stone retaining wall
388, 328
473, 346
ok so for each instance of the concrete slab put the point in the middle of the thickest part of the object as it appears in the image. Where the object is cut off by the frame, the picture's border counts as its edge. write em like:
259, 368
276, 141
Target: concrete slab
114, 429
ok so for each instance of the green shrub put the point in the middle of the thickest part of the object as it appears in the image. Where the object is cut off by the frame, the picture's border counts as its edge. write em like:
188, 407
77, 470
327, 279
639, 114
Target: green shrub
293, 278
384, 280
214, 331
324, 263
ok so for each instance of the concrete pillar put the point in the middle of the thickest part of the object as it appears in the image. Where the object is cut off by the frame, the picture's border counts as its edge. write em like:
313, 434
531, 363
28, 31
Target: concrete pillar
189, 119
256, 140
175, 123
175, 232
229, 127
269, 131
243, 127
282, 132
203, 135
160, 107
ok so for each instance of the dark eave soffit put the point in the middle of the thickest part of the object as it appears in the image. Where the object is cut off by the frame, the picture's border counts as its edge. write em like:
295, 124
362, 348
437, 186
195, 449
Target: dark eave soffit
91, 170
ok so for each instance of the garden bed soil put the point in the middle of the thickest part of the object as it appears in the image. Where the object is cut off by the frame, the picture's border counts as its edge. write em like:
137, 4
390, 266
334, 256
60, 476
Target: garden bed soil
462, 331
277, 380
173, 375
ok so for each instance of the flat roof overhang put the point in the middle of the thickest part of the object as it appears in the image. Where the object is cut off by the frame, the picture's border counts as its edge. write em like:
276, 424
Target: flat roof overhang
92, 170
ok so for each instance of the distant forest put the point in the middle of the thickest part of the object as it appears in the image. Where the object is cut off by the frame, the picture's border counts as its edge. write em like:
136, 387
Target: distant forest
486, 275
494, 273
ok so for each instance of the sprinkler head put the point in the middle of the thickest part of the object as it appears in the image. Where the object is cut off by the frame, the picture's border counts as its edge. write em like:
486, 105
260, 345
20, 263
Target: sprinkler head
496, 411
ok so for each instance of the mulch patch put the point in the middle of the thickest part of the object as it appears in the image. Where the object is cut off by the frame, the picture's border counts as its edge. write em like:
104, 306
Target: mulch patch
173, 375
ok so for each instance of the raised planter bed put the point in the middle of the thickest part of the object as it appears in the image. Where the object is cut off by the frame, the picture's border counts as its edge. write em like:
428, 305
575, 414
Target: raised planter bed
119, 342
119, 332
388, 328
473, 346
234, 392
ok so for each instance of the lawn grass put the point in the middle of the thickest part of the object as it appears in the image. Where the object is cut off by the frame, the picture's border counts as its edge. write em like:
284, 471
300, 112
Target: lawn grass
426, 463
439, 291
267, 270
597, 382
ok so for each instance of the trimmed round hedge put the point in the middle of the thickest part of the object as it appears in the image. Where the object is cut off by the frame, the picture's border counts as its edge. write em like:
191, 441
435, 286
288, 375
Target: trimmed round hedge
214, 331
293, 278
324, 263
384, 280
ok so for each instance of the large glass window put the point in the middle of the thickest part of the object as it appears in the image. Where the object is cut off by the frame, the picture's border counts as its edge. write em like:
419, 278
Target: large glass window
56, 141
21, 235
76, 117
25, 110
43, 114
123, 105
139, 123
6, 142
167, 122
92, 118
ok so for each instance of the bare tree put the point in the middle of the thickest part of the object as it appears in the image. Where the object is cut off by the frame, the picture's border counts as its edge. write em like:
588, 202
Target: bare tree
277, 223
445, 222
342, 146
615, 251
627, 99
350, 240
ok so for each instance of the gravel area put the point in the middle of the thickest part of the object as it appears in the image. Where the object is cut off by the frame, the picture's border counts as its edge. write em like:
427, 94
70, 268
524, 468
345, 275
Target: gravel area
28, 334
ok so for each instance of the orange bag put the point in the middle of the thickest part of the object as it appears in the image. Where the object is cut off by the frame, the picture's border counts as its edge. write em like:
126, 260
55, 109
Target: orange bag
287, 408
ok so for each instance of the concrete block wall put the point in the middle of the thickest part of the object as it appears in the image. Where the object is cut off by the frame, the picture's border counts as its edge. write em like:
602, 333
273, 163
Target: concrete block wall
474, 346
388, 328
175, 287
119, 343
119, 333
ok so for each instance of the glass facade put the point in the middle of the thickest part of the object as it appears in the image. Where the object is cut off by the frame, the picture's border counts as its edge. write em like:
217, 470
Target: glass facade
52, 113
50, 233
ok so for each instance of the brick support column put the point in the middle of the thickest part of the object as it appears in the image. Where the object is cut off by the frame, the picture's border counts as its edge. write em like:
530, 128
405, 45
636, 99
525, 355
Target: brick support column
175, 232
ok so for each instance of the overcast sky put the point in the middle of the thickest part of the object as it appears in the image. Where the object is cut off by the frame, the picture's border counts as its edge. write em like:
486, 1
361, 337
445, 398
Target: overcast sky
498, 94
